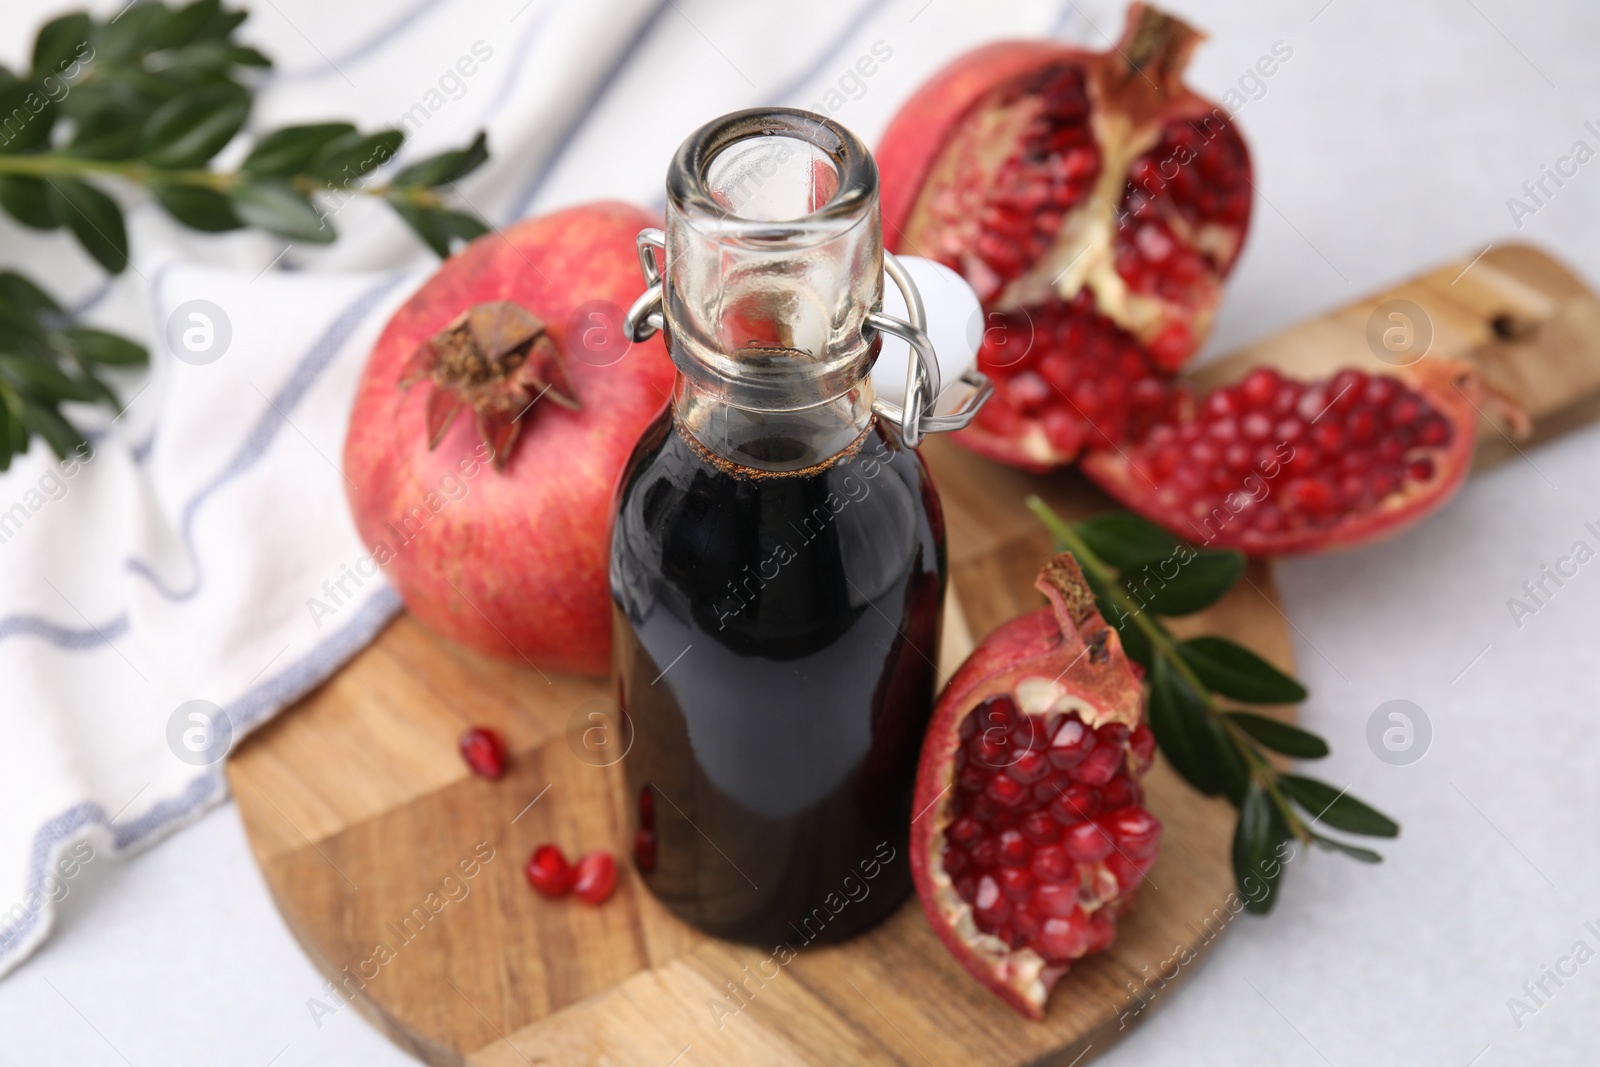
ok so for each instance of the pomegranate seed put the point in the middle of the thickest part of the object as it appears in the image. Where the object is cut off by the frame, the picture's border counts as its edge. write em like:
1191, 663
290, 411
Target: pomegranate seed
965, 831
595, 877
1102, 763
1072, 743
1062, 939
1015, 883
1075, 804
1014, 849
1052, 864
1087, 842
644, 850
954, 860
1040, 828
1142, 743
1118, 793
548, 871
985, 854
967, 888
1420, 470
1006, 790
647, 808
1029, 767
1136, 830
991, 906
1056, 899
484, 752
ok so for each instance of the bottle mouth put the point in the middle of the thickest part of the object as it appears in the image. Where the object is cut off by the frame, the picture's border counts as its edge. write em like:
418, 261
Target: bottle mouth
772, 176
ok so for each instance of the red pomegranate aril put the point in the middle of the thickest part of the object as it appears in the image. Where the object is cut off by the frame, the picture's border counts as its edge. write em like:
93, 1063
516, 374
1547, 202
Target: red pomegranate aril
1057, 899
1118, 793
1075, 804
1073, 741
1136, 831
1102, 764
985, 854
645, 849
1014, 849
955, 861
1030, 767
1052, 864
1142, 743
1128, 872
484, 752
1039, 828
965, 831
1087, 842
991, 906
1016, 883
594, 877
1062, 939
1007, 791
548, 871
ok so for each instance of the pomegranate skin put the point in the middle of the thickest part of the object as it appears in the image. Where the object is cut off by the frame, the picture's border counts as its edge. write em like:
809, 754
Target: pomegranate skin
511, 563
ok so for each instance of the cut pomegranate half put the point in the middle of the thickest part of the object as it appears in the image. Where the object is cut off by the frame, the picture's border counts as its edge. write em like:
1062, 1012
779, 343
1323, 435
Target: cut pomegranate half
1093, 202
1031, 836
1271, 465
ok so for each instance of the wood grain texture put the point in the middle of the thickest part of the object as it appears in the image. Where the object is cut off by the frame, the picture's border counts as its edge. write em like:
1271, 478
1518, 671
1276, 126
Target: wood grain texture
400, 873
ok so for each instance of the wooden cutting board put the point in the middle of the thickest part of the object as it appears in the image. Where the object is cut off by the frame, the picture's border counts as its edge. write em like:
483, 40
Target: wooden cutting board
366, 824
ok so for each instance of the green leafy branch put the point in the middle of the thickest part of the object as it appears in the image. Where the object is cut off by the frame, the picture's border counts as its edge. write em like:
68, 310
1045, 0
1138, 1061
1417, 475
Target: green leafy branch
1138, 572
148, 99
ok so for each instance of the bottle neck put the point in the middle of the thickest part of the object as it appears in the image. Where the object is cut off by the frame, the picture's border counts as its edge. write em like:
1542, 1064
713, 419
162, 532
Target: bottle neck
779, 442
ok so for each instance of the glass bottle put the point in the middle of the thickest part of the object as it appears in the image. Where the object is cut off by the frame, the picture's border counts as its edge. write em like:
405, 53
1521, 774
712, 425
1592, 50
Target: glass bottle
778, 553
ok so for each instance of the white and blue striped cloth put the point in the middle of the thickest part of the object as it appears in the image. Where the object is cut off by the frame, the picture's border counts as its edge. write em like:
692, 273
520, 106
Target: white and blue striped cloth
174, 562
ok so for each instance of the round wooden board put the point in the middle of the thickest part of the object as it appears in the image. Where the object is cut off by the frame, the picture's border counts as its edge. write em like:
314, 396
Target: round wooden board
358, 808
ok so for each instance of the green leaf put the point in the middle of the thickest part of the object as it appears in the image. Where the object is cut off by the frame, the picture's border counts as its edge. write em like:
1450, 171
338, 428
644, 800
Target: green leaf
1192, 585
1236, 672
289, 151
445, 167
18, 292
438, 227
94, 218
1256, 866
1126, 540
1365, 855
1192, 740
197, 208
25, 199
275, 206
26, 118
45, 380
47, 422
5, 438
189, 129
98, 346
134, 30
1338, 809
186, 24
1281, 736
58, 44
341, 161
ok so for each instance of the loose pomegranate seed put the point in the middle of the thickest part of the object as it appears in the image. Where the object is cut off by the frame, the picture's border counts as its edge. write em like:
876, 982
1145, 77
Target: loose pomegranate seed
548, 871
595, 877
484, 752
644, 850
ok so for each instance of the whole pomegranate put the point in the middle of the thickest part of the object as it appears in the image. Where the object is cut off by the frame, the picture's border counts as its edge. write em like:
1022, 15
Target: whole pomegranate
1033, 837
486, 439
1094, 203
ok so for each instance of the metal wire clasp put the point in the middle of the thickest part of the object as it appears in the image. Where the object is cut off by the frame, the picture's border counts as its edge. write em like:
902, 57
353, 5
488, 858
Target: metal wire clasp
915, 417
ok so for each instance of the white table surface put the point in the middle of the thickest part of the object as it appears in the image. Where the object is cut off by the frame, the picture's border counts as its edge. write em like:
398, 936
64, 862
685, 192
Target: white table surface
1389, 142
